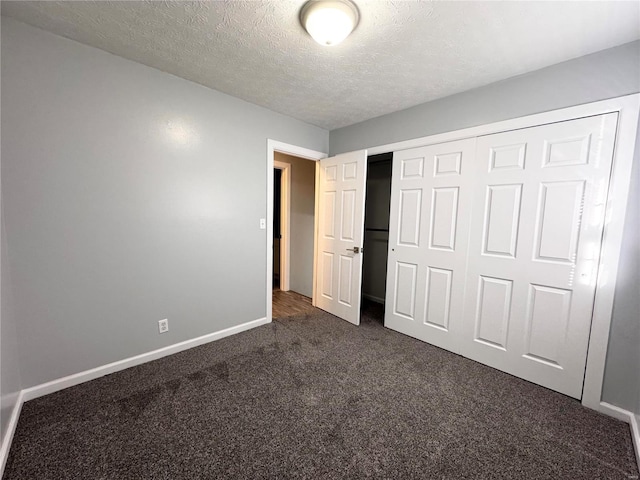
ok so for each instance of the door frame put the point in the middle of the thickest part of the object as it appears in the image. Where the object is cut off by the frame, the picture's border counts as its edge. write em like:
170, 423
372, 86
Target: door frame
628, 109
285, 223
288, 149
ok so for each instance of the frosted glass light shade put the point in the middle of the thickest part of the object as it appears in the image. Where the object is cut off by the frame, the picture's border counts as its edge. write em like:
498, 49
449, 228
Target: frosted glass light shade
329, 22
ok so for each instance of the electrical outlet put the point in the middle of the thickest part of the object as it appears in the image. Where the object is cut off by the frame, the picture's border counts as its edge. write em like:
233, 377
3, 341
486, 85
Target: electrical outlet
263, 223
163, 325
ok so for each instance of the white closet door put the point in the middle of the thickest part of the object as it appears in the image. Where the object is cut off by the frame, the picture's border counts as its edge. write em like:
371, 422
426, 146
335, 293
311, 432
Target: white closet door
428, 232
536, 230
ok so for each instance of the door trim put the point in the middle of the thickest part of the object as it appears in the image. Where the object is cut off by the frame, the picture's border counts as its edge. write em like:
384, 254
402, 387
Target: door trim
285, 223
272, 147
628, 108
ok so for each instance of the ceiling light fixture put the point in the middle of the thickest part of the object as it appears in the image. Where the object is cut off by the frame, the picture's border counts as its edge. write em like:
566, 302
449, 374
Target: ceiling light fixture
329, 22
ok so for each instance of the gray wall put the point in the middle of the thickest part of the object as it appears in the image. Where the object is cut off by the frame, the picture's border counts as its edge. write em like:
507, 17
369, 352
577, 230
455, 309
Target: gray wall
10, 384
303, 200
130, 196
599, 76
605, 74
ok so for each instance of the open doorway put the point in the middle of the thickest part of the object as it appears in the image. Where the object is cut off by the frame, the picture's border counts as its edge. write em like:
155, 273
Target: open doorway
294, 204
274, 147
321, 276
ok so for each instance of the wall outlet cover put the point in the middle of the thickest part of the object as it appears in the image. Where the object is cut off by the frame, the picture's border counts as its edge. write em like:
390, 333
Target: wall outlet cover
163, 325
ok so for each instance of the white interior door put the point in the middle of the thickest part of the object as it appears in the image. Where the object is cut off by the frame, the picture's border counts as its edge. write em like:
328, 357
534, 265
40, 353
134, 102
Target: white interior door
428, 233
536, 231
341, 197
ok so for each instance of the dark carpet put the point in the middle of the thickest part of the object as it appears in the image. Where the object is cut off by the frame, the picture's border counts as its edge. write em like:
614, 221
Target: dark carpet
315, 397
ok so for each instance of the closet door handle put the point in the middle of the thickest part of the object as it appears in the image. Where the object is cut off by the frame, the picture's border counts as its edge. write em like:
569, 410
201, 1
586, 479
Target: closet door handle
354, 249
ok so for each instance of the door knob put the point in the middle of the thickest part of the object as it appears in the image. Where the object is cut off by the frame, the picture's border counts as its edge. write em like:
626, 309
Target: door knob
354, 249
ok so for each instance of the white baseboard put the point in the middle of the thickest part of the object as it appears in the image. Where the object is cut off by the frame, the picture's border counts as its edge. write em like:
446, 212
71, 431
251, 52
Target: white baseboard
373, 298
81, 377
615, 412
11, 429
626, 416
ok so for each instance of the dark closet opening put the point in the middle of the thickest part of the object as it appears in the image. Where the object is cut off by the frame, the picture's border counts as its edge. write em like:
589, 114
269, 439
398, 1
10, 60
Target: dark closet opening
376, 228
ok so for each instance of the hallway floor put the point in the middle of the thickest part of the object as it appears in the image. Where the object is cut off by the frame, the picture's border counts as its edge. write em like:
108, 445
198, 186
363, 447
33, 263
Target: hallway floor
287, 304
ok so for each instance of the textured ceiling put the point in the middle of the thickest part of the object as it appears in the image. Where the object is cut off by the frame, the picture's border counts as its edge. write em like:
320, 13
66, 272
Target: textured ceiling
403, 53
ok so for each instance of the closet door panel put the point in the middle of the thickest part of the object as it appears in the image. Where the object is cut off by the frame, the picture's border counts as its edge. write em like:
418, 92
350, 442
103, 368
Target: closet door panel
535, 234
428, 231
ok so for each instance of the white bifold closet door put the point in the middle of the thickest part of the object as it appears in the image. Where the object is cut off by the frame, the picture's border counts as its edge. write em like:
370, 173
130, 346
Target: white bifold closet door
537, 224
428, 232
520, 296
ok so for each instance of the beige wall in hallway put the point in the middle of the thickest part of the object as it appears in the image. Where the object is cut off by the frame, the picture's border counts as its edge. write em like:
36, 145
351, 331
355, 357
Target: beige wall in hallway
303, 174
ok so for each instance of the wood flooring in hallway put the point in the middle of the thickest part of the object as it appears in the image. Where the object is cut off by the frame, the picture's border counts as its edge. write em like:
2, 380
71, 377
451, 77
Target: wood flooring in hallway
287, 304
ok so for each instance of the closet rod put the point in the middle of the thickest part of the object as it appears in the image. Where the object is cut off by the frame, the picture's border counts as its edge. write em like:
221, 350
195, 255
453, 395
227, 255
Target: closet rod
377, 230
